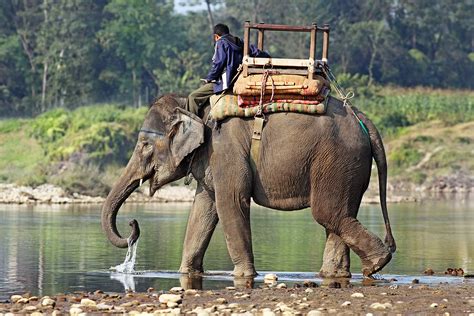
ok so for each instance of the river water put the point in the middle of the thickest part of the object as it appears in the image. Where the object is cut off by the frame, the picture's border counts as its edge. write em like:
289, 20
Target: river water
50, 249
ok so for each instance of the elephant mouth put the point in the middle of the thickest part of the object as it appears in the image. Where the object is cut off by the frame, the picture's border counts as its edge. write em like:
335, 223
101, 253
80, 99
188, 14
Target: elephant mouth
153, 185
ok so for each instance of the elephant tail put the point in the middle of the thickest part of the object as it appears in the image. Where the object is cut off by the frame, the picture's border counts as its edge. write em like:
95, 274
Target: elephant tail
378, 152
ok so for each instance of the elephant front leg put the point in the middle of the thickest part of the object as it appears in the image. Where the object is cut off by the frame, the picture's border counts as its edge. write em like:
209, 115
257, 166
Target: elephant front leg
336, 259
201, 224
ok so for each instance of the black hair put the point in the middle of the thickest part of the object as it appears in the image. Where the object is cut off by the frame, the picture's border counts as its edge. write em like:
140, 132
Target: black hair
221, 29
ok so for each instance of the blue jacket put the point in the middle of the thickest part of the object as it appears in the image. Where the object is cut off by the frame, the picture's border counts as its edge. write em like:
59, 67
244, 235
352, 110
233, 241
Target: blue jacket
228, 55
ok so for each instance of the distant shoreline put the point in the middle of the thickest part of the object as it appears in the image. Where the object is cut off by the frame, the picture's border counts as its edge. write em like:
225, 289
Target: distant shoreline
51, 194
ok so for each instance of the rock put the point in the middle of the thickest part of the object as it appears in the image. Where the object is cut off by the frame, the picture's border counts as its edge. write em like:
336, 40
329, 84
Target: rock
267, 312
308, 290
103, 307
245, 296
233, 305
281, 286
378, 307
470, 302
172, 304
30, 308
165, 298
35, 298
434, 305
415, 281
150, 290
75, 311
369, 314
221, 300
314, 312
230, 288
270, 277
346, 303
293, 295
23, 300
36, 314
357, 295
190, 292
176, 289
88, 303
48, 302
15, 298
429, 271
393, 287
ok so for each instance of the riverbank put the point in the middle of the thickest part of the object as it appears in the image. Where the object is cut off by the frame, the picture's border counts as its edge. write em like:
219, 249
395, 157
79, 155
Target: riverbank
51, 194
302, 299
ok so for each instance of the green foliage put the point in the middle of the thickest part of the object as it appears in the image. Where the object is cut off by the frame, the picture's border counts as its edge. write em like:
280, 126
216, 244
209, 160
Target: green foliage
405, 156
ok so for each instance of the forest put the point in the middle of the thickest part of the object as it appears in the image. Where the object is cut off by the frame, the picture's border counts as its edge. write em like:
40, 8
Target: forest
77, 76
69, 53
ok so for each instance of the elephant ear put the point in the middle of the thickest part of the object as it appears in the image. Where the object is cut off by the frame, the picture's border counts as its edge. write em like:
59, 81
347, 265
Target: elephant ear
187, 134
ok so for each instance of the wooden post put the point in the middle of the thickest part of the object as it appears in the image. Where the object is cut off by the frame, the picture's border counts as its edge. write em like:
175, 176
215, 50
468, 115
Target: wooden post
325, 43
312, 49
260, 38
245, 69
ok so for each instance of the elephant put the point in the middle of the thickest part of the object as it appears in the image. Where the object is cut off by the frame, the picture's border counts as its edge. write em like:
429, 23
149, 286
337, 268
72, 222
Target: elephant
317, 161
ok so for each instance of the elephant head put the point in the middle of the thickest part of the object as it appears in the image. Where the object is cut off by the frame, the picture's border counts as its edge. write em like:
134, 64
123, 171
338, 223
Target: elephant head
167, 138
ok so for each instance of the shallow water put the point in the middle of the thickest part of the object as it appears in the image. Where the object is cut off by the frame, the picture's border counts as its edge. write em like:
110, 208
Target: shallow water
52, 249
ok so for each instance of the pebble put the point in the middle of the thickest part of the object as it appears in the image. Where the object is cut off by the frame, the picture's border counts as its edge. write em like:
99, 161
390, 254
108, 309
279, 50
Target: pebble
75, 311
15, 298
165, 298
281, 286
470, 302
102, 306
176, 289
346, 303
357, 295
190, 292
293, 295
30, 308
434, 305
172, 304
308, 290
268, 312
221, 300
47, 302
369, 314
23, 300
88, 302
270, 277
230, 288
36, 314
245, 296
393, 287
314, 312
380, 307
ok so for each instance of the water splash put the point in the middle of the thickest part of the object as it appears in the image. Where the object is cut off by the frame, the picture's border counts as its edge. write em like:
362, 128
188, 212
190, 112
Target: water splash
129, 263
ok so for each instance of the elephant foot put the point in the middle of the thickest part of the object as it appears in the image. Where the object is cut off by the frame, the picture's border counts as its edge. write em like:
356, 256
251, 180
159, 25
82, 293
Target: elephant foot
190, 270
372, 266
244, 271
334, 273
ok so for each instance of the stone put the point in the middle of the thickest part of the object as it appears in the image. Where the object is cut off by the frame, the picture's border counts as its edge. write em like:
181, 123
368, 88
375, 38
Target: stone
15, 298
172, 304
357, 295
434, 305
103, 307
23, 300
221, 300
388, 305
271, 277
176, 289
233, 305
378, 307
267, 312
88, 302
75, 311
245, 296
309, 290
369, 314
35, 298
470, 302
190, 292
281, 286
48, 302
30, 308
36, 314
230, 288
165, 298
346, 303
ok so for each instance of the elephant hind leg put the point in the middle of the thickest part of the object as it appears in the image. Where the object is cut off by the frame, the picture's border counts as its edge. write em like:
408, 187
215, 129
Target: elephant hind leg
336, 258
369, 247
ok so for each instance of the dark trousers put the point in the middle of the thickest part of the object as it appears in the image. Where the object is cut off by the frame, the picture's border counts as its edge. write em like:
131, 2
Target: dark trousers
199, 97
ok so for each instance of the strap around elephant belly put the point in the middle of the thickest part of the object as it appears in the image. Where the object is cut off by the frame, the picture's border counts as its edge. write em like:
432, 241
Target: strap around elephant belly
256, 142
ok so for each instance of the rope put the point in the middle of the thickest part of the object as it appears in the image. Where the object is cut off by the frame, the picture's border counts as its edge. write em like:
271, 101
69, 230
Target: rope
267, 74
346, 97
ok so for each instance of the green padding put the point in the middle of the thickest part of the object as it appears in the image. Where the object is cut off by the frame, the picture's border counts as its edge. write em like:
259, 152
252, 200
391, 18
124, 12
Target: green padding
223, 106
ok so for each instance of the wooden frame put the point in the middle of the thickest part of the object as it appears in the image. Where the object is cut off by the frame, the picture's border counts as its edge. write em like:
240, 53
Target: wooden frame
287, 65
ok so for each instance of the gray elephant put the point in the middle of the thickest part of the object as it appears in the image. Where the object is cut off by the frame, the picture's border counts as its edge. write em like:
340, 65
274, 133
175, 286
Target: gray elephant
322, 162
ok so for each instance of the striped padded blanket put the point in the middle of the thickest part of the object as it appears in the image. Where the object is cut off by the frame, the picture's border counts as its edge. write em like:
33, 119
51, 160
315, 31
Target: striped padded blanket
223, 106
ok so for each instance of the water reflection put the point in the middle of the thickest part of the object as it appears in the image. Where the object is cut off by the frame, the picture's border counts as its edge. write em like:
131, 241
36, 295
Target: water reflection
52, 249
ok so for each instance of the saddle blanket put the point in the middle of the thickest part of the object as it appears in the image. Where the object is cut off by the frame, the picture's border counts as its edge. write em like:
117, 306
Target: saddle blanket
226, 105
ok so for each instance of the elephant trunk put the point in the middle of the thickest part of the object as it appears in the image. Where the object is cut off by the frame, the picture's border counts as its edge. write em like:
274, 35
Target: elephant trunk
127, 183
